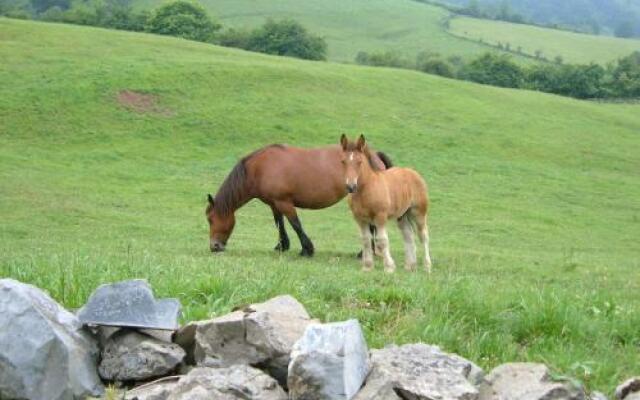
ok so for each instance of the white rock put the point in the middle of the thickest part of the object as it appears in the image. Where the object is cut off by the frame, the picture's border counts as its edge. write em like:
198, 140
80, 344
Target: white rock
527, 381
44, 352
421, 372
229, 383
628, 387
330, 361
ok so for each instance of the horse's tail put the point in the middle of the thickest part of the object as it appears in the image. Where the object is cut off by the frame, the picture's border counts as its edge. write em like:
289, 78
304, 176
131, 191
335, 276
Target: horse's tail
385, 159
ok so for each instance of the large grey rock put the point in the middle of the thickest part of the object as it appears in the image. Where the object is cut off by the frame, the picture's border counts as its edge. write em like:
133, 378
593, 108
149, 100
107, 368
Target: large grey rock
421, 372
44, 352
260, 334
157, 390
330, 361
229, 383
132, 356
628, 387
130, 304
527, 381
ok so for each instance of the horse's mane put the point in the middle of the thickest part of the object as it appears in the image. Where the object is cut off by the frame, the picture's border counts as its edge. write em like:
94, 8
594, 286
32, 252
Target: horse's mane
234, 188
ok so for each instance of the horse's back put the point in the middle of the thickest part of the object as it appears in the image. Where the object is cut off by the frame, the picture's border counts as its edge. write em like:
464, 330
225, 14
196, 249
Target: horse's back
310, 178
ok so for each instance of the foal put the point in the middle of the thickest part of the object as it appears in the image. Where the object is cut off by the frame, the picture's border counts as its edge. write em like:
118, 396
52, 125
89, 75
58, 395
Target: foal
377, 196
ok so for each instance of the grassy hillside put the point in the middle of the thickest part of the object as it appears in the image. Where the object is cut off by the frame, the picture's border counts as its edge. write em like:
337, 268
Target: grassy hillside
534, 222
572, 47
404, 26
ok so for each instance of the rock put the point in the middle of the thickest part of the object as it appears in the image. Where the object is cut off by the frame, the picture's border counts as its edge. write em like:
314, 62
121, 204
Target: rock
597, 396
421, 372
160, 334
628, 387
156, 390
230, 383
526, 381
44, 352
132, 356
330, 361
130, 304
259, 335
186, 338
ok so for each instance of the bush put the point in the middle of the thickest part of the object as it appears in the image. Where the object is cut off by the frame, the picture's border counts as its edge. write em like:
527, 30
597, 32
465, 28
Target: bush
234, 38
383, 59
437, 67
625, 77
287, 38
183, 19
491, 69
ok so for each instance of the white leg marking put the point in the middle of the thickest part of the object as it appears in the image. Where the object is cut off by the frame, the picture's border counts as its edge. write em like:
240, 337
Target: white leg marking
424, 238
410, 259
382, 241
367, 250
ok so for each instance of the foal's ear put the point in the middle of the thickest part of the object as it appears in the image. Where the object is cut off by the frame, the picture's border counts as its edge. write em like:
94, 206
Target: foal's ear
344, 141
361, 143
210, 198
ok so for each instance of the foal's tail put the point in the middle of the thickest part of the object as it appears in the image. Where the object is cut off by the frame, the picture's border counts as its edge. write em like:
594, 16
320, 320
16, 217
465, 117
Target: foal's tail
385, 159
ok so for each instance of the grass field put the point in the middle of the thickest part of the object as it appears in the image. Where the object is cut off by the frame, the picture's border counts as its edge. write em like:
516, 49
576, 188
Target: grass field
535, 218
403, 26
572, 47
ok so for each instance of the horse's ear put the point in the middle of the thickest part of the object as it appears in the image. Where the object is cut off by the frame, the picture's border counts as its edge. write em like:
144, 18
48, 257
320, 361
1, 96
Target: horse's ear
344, 141
210, 198
361, 143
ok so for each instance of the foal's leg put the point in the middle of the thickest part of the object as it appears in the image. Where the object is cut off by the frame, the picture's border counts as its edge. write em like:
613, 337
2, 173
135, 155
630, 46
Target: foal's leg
382, 241
283, 238
423, 233
289, 210
367, 247
410, 260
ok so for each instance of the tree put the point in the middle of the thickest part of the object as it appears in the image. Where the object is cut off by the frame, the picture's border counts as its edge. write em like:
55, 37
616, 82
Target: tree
183, 19
492, 69
626, 77
287, 38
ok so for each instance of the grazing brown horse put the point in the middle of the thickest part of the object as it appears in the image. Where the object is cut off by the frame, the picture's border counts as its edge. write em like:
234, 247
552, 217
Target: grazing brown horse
377, 196
284, 178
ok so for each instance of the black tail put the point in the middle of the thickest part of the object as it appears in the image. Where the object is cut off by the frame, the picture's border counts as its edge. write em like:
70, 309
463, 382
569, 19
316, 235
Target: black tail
385, 160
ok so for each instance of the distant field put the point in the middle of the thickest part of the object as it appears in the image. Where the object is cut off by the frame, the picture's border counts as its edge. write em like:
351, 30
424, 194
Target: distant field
572, 47
404, 26
535, 215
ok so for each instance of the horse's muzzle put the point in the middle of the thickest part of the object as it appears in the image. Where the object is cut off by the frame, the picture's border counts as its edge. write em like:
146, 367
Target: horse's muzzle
216, 247
352, 187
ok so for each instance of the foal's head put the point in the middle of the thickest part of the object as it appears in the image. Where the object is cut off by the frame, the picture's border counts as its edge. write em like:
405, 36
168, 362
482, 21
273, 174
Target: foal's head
355, 161
220, 226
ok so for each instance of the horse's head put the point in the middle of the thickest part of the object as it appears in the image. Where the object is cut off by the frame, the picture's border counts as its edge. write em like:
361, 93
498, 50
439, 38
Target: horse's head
354, 161
220, 226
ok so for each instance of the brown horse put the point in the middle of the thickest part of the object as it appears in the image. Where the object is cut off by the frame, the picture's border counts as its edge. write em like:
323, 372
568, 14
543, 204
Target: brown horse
284, 178
377, 196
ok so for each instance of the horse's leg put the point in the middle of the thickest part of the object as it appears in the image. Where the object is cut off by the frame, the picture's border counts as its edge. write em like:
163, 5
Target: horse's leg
289, 210
372, 229
410, 260
367, 247
283, 238
423, 234
382, 241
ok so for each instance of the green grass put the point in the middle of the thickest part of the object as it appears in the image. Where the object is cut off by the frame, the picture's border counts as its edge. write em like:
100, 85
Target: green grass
572, 47
402, 26
535, 218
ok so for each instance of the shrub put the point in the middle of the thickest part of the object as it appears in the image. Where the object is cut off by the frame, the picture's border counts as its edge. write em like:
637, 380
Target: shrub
183, 19
437, 67
491, 69
383, 59
234, 38
287, 38
625, 77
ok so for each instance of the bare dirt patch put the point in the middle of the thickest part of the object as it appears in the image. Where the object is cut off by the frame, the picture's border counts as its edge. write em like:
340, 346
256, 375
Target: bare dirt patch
143, 103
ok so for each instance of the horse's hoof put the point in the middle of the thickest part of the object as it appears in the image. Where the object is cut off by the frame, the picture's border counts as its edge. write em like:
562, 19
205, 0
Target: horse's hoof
281, 247
306, 252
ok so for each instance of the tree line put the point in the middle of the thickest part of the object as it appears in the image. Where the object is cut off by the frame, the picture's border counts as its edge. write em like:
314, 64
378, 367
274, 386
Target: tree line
185, 19
620, 80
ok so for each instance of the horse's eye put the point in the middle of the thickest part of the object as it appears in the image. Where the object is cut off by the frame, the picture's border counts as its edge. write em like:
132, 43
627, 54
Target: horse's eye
344, 161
